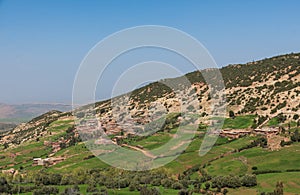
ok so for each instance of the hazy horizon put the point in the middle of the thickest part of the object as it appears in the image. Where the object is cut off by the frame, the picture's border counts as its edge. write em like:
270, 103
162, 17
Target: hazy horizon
43, 43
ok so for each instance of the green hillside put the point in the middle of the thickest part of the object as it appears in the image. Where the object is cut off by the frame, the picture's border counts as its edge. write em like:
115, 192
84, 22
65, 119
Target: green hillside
227, 157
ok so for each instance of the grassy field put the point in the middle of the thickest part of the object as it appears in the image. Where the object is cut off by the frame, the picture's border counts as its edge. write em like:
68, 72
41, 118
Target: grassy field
267, 183
222, 159
153, 141
23, 155
273, 122
263, 159
191, 155
239, 122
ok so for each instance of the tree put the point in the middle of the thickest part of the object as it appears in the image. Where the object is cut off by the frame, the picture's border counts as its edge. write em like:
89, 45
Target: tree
71, 191
55, 179
156, 182
207, 185
183, 192
279, 189
103, 191
131, 187
295, 137
167, 183
225, 191
177, 186
147, 191
249, 180
91, 188
233, 182
46, 190
231, 114
296, 117
4, 186
5, 145
281, 118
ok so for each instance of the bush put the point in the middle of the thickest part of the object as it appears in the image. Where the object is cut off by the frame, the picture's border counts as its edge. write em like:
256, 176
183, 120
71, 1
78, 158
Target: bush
249, 180
231, 114
22, 189
258, 172
134, 186
177, 186
147, 191
91, 188
131, 187
254, 168
183, 192
156, 182
71, 191
4, 186
46, 190
167, 183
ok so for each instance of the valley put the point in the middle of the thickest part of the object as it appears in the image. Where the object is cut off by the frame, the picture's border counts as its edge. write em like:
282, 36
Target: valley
257, 147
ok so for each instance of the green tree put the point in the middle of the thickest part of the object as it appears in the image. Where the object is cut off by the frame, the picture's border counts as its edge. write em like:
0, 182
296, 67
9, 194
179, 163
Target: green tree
177, 186
295, 137
183, 192
149, 191
70, 191
249, 180
4, 185
46, 190
225, 191
207, 185
296, 117
167, 183
5, 145
231, 114
279, 188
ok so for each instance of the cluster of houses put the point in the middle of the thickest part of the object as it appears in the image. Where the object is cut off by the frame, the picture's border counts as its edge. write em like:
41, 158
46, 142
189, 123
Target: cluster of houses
237, 133
47, 161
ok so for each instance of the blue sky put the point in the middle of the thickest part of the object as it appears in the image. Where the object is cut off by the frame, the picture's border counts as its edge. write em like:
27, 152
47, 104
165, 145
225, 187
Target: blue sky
43, 42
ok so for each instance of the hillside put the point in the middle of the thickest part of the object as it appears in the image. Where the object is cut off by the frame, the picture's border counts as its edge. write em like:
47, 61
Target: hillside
267, 88
254, 151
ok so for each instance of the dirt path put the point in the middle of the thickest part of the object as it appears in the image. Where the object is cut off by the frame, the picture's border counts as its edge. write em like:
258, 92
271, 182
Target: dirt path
145, 152
266, 121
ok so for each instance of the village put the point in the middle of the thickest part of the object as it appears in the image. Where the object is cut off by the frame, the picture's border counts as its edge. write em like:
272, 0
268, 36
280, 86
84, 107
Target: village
91, 127
237, 133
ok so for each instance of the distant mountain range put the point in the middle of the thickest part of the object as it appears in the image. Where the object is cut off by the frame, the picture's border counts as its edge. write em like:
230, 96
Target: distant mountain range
24, 112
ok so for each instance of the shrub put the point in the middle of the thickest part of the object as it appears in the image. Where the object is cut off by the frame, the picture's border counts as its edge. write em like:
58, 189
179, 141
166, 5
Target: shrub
167, 183
254, 168
46, 190
249, 180
4, 186
177, 186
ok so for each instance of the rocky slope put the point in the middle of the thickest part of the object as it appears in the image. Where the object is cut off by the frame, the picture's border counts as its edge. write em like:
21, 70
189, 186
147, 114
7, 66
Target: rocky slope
267, 87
